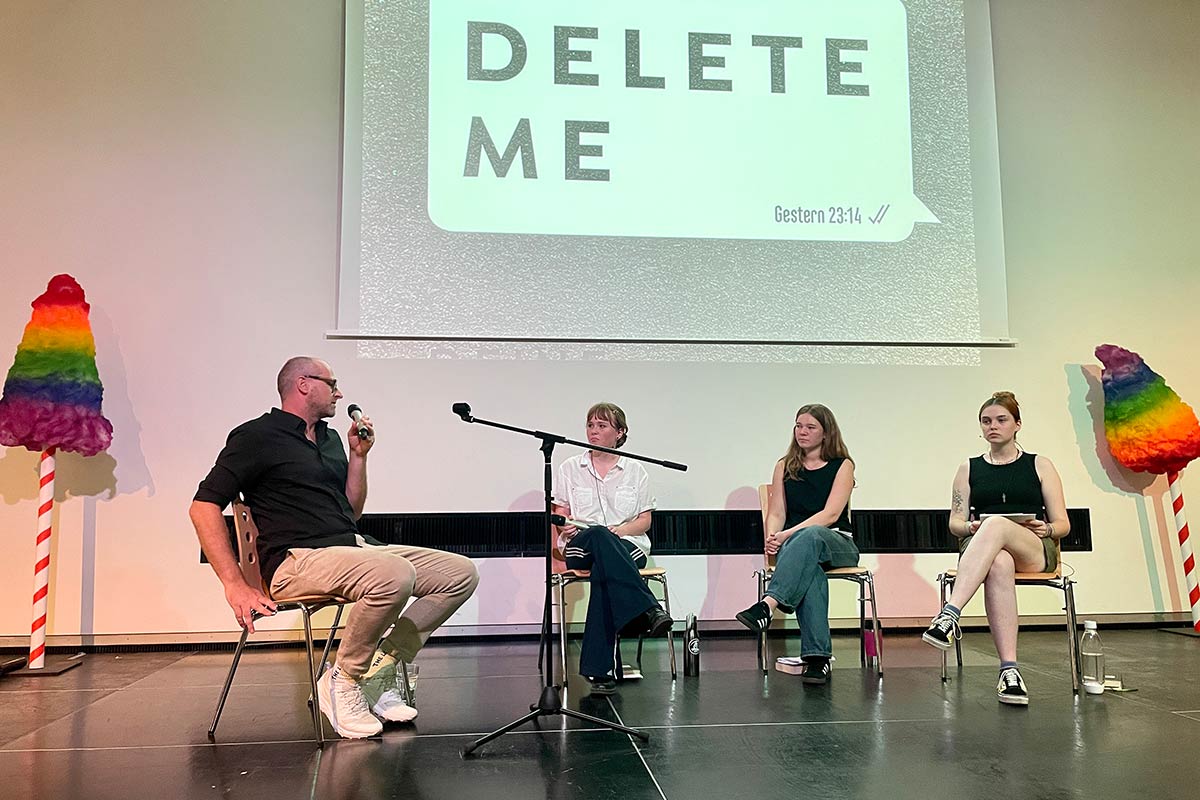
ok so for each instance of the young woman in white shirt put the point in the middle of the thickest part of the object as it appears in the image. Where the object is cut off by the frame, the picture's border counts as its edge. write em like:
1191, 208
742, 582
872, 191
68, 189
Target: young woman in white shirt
609, 497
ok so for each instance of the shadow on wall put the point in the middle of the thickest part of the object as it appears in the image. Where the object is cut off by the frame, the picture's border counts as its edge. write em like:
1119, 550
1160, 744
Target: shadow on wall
901, 590
1086, 406
132, 472
501, 592
74, 476
502, 598
530, 501
729, 583
743, 498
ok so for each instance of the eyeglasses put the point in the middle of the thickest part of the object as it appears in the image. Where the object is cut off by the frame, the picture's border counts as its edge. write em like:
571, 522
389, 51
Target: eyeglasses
330, 382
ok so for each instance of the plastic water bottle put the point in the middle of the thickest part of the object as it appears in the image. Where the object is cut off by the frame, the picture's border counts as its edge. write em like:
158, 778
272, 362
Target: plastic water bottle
691, 647
1091, 653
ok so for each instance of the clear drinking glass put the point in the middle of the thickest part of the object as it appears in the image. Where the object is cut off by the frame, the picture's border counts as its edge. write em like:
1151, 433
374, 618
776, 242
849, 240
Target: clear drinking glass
414, 672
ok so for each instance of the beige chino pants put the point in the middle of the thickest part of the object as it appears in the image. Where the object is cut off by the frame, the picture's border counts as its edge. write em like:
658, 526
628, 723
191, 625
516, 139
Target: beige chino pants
380, 579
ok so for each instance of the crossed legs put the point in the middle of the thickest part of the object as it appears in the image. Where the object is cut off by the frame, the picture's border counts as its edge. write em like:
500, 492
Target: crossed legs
999, 550
381, 580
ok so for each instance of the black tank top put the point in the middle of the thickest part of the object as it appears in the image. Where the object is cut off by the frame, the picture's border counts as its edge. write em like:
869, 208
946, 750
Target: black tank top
808, 493
1013, 488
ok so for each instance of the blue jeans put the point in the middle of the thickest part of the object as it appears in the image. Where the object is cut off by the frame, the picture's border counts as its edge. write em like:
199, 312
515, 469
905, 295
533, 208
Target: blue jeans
800, 584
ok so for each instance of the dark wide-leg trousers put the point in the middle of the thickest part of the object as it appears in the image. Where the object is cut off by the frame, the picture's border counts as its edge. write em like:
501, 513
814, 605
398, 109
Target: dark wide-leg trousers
619, 595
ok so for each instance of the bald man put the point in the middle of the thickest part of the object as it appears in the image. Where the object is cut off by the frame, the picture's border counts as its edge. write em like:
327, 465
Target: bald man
306, 495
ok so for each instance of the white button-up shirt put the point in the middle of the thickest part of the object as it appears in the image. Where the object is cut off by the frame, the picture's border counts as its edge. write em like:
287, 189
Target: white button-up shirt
616, 498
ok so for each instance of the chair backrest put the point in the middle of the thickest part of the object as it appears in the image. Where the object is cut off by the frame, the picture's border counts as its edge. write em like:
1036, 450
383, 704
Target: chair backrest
247, 539
764, 500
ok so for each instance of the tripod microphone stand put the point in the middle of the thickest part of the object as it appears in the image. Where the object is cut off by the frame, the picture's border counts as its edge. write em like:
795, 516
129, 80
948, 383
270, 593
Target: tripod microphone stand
550, 701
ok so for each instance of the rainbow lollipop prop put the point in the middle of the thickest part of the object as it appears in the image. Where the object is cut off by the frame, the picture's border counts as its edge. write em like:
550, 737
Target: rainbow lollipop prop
51, 401
1150, 429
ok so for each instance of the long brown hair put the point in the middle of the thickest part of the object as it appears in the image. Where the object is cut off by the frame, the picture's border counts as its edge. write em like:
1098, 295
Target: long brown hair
832, 445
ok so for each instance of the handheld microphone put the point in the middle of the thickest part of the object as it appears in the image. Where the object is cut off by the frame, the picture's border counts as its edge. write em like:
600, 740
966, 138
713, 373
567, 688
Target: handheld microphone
356, 414
463, 410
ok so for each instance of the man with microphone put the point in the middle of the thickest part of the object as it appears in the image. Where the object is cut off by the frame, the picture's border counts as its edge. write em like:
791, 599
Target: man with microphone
305, 495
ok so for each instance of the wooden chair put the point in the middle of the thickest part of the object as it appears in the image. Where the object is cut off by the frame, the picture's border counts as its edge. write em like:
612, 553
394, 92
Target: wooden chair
860, 575
561, 580
1054, 580
247, 538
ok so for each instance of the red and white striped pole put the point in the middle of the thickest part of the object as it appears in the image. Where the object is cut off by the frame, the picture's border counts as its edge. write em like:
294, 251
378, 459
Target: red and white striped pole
41, 570
1185, 547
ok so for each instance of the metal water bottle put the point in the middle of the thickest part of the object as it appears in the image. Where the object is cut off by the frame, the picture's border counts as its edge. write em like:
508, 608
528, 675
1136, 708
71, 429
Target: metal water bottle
691, 647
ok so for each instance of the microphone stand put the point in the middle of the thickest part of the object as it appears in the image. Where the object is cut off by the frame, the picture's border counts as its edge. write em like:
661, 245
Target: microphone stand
550, 702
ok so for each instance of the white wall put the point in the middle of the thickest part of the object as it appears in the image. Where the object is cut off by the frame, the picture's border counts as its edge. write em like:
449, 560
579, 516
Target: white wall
181, 160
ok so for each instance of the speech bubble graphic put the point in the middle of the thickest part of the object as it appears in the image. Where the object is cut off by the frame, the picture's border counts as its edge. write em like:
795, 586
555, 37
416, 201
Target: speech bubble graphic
769, 120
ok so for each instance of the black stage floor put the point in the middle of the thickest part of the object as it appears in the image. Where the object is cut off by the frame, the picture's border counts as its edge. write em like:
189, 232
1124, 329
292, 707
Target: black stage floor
134, 725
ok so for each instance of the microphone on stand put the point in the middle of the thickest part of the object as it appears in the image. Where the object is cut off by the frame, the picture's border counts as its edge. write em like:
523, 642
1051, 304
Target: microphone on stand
463, 410
356, 414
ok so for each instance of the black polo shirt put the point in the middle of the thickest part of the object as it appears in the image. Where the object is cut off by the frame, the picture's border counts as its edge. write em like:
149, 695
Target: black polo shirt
296, 489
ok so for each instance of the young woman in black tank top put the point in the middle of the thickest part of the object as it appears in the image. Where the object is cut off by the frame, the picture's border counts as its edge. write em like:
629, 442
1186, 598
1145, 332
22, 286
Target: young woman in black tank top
808, 529
1005, 480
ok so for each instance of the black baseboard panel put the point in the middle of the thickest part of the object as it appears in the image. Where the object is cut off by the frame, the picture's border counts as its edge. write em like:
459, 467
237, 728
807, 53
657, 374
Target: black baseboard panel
520, 534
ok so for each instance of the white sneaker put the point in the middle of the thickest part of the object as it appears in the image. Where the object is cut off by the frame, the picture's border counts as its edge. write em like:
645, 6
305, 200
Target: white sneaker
341, 700
382, 691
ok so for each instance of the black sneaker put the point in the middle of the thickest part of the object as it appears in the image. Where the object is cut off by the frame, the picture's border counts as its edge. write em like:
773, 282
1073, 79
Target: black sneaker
603, 686
1010, 688
757, 617
652, 622
660, 622
816, 670
942, 631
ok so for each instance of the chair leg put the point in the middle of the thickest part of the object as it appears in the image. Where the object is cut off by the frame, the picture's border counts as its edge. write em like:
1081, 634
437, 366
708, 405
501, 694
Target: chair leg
562, 628
1072, 630
875, 627
944, 581
312, 676
762, 635
337, 618
670, 630
237, 656
862, 621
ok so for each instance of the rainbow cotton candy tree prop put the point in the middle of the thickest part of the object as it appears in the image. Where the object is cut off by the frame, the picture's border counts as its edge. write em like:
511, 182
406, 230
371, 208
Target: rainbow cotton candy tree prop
1149, 429
51, 401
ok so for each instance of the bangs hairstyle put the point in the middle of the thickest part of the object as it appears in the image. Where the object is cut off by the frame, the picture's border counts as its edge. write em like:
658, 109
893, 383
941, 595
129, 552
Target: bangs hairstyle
1006, 400
832, 445
613, 415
